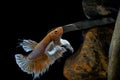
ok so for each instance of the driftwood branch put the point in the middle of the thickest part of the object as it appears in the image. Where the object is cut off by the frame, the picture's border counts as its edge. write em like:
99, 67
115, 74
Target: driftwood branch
114, 53
87, 24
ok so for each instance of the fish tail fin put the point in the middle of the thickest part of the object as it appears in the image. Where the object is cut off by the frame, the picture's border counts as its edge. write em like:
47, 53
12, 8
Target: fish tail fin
23, 63
36, 67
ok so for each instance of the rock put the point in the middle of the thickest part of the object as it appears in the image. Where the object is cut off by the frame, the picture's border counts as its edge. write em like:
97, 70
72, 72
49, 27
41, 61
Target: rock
94, 8
90, 62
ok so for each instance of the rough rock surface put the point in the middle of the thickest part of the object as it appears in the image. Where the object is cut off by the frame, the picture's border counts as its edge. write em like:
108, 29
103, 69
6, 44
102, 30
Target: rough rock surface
90, 62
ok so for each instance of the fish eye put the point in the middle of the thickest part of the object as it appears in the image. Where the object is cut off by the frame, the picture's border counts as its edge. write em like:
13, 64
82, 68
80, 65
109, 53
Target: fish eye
56, 32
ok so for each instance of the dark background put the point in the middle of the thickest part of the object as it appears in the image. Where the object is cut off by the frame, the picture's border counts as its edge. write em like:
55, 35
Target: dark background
32, 20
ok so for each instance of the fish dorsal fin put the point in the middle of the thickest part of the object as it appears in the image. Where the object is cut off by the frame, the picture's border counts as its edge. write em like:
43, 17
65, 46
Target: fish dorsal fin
28, 45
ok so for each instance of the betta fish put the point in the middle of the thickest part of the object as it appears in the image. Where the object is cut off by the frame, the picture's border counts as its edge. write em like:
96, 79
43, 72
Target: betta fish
42, 54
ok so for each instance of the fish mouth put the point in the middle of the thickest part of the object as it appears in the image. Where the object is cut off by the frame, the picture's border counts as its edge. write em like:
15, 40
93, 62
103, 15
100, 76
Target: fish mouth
60, 30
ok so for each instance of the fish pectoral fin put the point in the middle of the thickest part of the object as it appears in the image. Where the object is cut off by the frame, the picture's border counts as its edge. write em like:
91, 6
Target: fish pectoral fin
66, 44
56, 49
28, 45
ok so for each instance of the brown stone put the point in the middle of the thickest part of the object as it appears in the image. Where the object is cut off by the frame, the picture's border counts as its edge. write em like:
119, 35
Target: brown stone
90, 62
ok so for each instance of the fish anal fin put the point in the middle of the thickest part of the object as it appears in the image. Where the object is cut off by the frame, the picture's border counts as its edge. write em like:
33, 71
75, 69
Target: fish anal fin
41, 62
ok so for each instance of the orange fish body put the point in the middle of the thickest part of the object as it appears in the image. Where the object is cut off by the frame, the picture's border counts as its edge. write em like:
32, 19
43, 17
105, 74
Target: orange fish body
39, 60
39, 49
